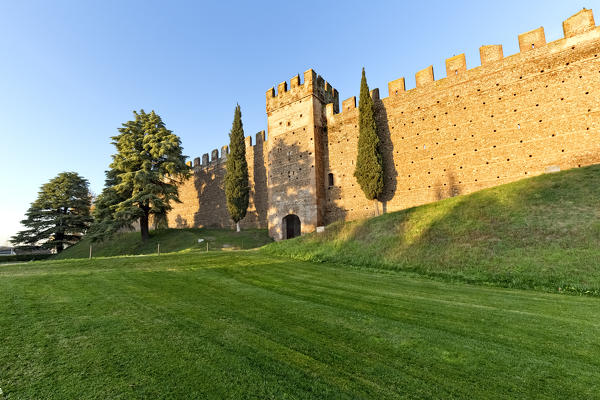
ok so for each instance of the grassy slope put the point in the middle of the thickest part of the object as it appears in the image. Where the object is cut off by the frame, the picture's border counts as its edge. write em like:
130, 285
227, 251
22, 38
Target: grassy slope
170, 240
541, 233
247, 325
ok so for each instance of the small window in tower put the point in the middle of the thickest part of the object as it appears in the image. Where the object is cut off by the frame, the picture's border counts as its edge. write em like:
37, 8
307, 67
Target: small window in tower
330, 179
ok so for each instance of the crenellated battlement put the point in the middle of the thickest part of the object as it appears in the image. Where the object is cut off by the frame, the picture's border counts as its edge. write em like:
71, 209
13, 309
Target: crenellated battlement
535, 39
217, 157
456, 65
350, 104
490, 53
313, 85
532, 40
531, 44
579, 23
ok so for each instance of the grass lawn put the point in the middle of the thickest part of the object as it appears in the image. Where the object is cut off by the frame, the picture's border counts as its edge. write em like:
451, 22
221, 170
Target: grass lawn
240, 325
541, 233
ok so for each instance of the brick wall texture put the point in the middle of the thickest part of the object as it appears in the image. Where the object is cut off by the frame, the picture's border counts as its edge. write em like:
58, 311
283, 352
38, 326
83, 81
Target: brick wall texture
510, 118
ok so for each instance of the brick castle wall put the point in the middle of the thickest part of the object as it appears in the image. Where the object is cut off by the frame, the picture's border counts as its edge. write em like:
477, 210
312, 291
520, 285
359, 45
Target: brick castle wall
202, 196
508, 119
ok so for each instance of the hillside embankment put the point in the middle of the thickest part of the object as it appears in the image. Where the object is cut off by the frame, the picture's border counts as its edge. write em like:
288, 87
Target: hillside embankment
539, 233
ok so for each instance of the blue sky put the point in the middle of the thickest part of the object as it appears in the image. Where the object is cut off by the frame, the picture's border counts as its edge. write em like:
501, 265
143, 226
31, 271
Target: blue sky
73, 71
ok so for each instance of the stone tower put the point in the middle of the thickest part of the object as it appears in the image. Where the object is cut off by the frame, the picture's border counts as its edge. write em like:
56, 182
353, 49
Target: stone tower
296, 129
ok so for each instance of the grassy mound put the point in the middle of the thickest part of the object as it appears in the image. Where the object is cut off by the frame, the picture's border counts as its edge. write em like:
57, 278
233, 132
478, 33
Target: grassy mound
170, 240
539, 233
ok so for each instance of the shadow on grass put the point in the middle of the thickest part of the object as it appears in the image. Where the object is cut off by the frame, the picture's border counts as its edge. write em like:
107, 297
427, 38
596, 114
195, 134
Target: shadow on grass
170, 240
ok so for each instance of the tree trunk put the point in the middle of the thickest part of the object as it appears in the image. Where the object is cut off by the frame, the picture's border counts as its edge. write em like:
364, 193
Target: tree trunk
144, 227
237, 226
60, 236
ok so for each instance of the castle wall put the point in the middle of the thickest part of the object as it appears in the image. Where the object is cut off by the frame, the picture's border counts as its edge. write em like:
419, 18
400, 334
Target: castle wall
203, 202
508, 119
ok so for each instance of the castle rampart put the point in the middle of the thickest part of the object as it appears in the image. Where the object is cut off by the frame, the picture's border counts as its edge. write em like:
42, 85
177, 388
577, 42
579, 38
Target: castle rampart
507, 119
203, 201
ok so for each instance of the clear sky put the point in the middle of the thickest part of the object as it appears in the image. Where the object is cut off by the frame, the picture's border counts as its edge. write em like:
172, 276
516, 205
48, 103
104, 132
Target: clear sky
73, 71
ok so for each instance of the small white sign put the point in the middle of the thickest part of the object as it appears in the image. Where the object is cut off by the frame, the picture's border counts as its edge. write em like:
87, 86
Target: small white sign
320, 229
200, 240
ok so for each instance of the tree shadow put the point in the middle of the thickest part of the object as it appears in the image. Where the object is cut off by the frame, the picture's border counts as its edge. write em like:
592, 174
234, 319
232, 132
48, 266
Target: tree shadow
288, 176
387, 151
295, 172
448, 189
333, 193
211, 209
180, 223
258, 191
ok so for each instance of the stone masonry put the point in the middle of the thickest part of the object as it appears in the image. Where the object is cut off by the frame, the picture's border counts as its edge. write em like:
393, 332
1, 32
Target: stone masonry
510, 118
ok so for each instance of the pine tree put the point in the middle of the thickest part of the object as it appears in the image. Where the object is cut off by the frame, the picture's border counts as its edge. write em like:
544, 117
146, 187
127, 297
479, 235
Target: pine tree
59, 216
143, 177
236, 175
369, 161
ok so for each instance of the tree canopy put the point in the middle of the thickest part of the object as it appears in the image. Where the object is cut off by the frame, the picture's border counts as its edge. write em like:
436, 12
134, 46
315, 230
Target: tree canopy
369, 162
59, 216
142, 179
236, 175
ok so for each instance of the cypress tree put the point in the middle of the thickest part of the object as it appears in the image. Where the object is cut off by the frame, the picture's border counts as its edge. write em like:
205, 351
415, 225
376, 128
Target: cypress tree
236, 176
369, 161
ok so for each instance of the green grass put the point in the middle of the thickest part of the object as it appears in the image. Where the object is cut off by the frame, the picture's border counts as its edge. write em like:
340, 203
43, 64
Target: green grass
171, 240
241, 325
540, 233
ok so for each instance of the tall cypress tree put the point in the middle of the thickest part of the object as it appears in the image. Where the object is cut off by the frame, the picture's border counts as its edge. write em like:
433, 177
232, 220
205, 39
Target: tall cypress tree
369, 161
236, 176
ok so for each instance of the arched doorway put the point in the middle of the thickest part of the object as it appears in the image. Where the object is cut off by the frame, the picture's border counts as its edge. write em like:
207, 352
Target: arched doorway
290, 226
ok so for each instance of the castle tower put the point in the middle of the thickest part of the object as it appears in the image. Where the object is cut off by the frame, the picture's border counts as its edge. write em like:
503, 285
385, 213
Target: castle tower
296, 125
